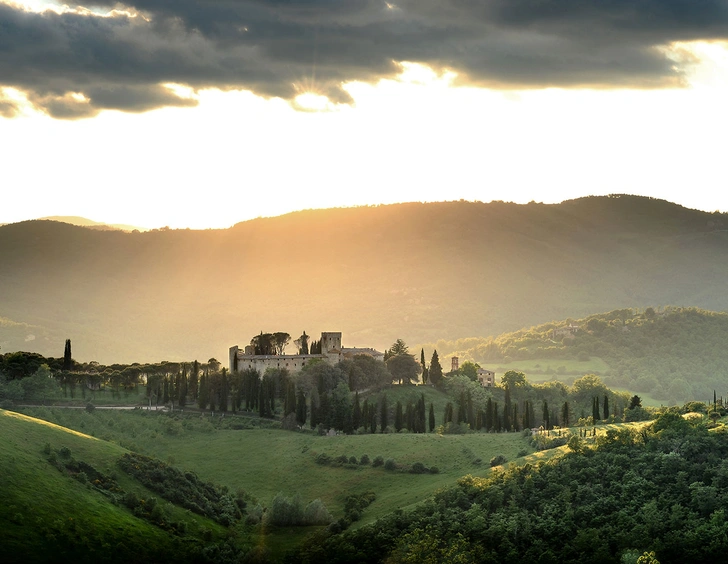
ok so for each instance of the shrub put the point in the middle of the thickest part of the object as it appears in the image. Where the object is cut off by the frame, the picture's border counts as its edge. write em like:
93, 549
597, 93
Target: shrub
352, 460
477, 461
497, 460
418, 468
286, 511
434, 470
317, 514
390, 464
323, 459
65, 452
90, 407
47, 448
255, 514
342, 459
364, 460
522, 452
378, 461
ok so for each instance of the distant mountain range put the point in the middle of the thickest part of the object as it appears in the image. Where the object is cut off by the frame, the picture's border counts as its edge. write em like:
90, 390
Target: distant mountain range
421, 272
84, 222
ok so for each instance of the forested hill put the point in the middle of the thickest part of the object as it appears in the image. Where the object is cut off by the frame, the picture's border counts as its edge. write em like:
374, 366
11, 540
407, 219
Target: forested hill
672, 353
417, 271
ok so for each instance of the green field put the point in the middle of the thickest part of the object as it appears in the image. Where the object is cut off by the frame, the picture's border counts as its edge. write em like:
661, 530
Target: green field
236, 452
265, 462
47, 516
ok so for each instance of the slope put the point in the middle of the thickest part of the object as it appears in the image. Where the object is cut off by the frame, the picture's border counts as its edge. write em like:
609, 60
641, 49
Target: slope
418, 271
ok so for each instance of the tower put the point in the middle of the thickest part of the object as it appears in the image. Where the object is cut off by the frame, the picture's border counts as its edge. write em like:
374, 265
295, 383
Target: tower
455, 364
330, 342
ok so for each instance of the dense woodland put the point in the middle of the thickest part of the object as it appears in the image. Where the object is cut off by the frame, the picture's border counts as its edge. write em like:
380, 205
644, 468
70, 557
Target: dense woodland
453, 270
662, 489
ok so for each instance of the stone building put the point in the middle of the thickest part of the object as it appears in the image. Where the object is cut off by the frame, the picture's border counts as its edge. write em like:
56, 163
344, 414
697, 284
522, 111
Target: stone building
331, 352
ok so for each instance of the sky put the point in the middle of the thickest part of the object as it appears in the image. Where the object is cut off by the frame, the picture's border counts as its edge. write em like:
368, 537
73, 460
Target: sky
202, 114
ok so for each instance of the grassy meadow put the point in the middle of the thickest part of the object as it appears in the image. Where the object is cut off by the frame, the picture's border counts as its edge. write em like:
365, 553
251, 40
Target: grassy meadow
237, 453
48, 516
47, 510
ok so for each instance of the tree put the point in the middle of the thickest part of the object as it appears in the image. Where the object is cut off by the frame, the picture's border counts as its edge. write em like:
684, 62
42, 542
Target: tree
507, 409
448, 413
398, 417
432, 418
67, 360
435, 371
606, 406
469, 369
40, 386
399, 347
302, 343
514, 380
425, 372
565, 414
280, 341
404, 368
301, 408
545, 416
635, 401
383, 413
595, 409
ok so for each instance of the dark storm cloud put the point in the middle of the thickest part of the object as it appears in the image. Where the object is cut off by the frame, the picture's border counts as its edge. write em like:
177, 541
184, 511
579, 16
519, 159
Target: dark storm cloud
279, 48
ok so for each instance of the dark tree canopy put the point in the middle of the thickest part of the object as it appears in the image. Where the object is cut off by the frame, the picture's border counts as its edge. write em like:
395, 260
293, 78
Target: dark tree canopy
404, 368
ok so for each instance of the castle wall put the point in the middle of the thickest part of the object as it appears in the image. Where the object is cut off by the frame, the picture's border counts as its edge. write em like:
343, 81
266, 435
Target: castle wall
291, 362
331, 350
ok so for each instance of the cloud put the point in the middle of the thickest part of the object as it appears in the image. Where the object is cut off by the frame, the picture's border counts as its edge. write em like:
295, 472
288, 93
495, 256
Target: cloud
75, 63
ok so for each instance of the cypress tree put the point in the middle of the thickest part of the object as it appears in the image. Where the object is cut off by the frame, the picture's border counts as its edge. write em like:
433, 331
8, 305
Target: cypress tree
496, 418
546, 416
421, 415
435, 372
356, 418
425, 373
398, 417
194, 380
448, 413
606, 406
462, 405
514, 418
595, 409
290, 403
301, 408
383, 414
565, 415
471, 412
224, 390
507, 409
489, 415
432, 417
67, 360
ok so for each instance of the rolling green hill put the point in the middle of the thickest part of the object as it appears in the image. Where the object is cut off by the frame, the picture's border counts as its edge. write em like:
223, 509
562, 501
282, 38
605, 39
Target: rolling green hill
674, 354
418, 271
48, 516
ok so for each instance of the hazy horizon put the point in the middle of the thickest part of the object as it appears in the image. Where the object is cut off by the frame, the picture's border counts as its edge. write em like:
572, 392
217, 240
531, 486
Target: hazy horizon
203, 115
126, 225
